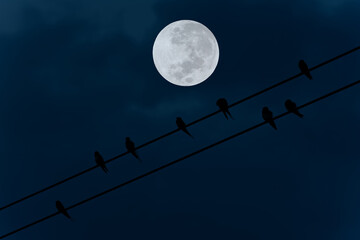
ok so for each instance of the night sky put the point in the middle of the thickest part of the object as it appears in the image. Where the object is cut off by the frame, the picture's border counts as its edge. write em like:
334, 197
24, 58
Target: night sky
78, 76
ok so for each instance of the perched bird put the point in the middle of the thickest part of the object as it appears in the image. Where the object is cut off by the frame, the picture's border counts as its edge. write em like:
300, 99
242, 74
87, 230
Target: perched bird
60, 207
224, 107
130, 146
304, 69
268, 117
291, 107
182, 126
100, 162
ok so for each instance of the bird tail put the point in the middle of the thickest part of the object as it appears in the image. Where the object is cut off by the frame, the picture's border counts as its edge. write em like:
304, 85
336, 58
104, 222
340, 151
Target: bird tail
71, 218
67, 215
188, 133
137, 156
272, 123
299, 114
228, 112
309, 75
227, 118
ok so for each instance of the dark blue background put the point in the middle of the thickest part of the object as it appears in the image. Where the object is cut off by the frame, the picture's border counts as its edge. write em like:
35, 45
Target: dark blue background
78, 76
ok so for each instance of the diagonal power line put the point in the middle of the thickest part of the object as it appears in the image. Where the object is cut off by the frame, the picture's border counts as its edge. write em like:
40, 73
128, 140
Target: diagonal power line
176, 130
178, 160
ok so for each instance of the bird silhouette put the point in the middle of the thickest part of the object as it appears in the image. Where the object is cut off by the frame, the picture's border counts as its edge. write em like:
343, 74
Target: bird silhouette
304, 69
130, 146
100, 162
182, 126
60, 207
268, 117
291, 107
224, 107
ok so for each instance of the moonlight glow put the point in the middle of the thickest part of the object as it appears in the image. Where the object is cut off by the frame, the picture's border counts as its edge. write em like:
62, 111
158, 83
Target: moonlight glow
185, 53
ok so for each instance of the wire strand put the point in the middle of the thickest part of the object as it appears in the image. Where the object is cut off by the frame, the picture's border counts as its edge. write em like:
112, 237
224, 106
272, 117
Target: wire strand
176, 130
180, 159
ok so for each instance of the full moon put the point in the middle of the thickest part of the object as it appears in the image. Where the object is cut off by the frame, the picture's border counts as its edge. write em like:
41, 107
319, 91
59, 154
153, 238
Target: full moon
185, 53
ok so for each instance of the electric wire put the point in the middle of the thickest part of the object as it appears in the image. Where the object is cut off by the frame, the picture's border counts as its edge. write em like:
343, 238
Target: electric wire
178, 160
